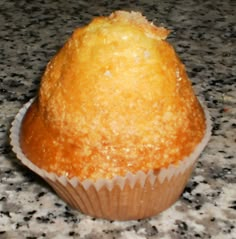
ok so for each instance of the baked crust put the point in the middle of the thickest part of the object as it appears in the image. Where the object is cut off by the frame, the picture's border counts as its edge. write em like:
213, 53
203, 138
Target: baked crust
115, 99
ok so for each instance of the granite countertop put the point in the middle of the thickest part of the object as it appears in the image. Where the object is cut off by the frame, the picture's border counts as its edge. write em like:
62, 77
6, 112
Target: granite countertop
202, 33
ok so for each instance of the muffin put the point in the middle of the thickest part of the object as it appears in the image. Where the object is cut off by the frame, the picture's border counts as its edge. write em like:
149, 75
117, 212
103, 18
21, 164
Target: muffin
116, 127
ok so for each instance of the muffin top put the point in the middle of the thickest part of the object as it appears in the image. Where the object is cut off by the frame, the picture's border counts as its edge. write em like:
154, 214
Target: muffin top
115, 99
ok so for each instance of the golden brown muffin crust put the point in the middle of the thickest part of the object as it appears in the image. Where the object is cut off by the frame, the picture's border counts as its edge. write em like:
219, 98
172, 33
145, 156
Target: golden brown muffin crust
116, 98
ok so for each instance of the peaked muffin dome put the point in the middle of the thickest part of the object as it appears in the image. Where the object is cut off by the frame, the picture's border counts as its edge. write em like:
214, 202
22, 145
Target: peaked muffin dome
115, 99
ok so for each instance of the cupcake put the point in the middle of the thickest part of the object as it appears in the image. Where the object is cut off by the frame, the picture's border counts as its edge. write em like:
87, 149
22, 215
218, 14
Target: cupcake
116, 127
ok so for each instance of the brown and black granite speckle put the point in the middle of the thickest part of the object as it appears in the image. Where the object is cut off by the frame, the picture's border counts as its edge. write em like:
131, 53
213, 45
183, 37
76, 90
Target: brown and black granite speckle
204, 34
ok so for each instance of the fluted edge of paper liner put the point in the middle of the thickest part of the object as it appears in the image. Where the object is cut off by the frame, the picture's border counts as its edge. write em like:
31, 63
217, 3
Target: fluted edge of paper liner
133, 196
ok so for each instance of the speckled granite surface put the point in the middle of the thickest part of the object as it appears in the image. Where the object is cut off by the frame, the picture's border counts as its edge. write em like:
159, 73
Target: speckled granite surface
203, 33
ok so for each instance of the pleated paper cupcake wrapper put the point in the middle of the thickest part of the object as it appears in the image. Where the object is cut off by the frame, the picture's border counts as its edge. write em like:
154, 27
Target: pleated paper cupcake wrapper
134, 196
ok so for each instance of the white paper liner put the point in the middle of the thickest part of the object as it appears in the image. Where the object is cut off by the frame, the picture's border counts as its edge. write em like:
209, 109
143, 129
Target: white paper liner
77, 193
